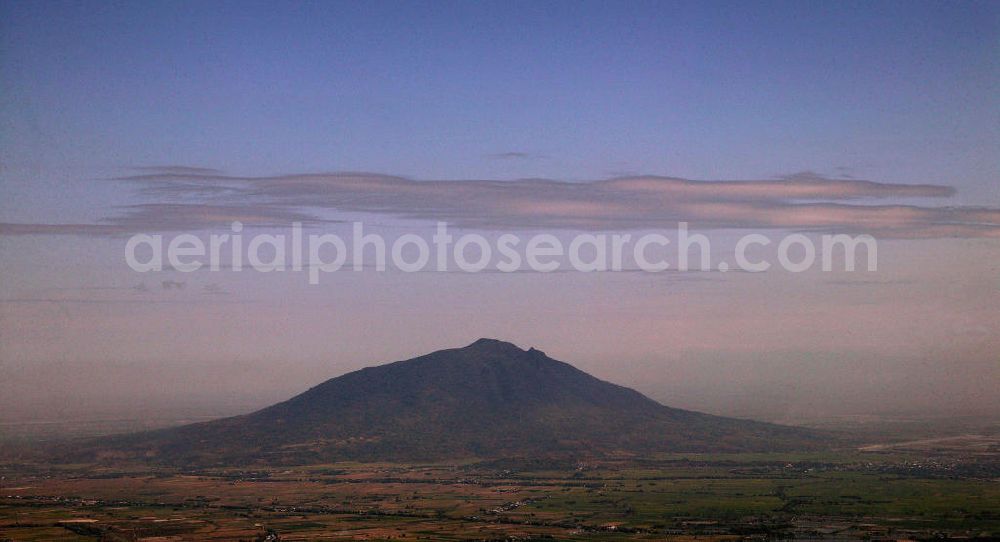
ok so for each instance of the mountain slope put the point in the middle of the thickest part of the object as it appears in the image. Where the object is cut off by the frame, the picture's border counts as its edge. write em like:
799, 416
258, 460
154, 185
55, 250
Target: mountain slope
488, 399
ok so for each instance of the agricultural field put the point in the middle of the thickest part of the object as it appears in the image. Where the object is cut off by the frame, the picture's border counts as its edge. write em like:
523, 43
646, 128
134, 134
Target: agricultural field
884, 494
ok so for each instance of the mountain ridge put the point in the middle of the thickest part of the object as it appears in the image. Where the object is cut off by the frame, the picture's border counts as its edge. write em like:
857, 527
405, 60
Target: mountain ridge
487, 399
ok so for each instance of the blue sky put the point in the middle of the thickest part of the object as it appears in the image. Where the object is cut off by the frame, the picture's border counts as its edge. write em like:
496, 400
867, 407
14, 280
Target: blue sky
897, 92
891, 92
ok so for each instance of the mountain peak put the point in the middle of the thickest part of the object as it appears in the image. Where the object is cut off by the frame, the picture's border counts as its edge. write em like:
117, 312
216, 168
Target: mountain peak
495, 345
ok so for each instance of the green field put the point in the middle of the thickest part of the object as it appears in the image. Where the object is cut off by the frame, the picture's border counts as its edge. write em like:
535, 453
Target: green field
712, 497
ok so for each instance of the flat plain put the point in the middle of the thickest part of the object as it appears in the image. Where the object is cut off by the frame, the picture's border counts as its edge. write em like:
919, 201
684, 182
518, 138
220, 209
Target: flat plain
887, 492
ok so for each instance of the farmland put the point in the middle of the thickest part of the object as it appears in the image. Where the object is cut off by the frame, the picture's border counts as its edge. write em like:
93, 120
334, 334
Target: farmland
860, 495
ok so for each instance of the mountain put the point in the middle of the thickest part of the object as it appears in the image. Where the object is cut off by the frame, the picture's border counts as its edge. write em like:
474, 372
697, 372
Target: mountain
488, 399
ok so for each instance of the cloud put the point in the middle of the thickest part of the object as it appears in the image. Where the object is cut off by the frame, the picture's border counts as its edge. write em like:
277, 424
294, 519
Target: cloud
179, 170
62, 301
7, 228
157, 217
804, 201
186, 216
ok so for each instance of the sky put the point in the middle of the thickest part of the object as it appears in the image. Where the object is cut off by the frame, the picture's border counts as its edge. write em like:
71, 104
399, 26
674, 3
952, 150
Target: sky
848, 117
